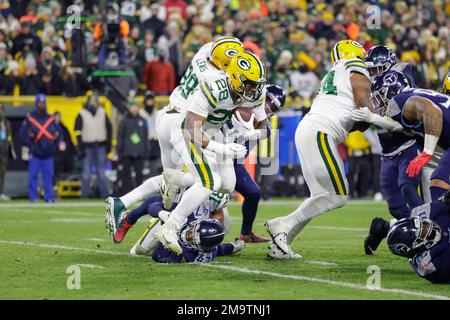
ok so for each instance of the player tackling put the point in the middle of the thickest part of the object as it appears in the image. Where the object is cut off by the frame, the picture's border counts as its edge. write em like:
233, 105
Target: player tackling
343, 99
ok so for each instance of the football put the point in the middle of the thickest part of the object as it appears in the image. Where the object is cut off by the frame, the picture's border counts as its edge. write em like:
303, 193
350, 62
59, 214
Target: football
245, 113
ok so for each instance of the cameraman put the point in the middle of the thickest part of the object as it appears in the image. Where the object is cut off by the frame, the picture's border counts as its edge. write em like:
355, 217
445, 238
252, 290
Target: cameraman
112, 33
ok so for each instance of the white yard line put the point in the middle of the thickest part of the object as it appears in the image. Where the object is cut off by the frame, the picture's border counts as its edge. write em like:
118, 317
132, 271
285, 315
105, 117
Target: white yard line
325, 281
96, 239
246, 270
340, 228
92, 266
71, 220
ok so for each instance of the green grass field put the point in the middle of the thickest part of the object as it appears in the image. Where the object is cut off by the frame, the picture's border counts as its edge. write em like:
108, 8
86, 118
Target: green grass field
39, 242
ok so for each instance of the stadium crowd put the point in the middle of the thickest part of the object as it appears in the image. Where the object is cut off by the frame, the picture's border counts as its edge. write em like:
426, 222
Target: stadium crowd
40, 54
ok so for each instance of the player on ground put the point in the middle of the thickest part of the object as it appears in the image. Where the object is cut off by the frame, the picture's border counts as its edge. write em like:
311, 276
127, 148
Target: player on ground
424, 239
199, 238
344, 90
200, 142
212, 56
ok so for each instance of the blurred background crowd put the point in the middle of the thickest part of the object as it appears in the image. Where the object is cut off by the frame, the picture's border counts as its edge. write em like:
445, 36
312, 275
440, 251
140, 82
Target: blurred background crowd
45, 48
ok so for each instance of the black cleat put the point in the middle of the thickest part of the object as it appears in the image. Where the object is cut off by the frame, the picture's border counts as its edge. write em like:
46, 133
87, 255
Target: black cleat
378, 231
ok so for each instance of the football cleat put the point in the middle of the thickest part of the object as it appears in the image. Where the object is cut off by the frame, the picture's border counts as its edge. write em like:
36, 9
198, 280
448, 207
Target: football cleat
114, 208
138, 250
276, 254
168, 236
122, 227
378, 231
169, 189
279, 236
252, 238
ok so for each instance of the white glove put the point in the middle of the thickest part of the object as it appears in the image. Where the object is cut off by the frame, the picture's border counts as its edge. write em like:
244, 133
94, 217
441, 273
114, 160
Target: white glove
245, 127
364, 115
232, 150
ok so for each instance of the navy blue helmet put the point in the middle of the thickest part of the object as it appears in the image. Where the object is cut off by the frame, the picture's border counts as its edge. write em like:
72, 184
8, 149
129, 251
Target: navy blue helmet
203, 235
410, 236
385, 86
275, 99
380, 59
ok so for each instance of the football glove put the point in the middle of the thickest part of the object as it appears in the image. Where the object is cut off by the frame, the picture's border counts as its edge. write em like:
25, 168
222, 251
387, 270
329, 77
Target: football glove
245, 127
416, 164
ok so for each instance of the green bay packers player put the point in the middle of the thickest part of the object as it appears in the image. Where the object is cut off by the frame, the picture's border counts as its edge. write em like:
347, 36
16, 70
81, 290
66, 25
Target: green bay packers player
201, 144
343, 99
212, 56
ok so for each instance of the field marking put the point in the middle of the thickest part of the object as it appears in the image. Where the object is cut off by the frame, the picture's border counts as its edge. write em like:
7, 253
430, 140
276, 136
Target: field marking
340, 228
92, 266
71, 220
246, 270
321, 263
96, 239
325, 281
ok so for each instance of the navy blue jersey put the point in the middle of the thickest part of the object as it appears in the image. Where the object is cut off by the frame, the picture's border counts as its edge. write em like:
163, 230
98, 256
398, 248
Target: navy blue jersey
393, 142
163, 255
434, 264
396, 105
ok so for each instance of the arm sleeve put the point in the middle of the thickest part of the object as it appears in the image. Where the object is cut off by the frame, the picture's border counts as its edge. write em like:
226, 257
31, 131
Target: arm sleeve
78, 128
26, 140
224, 249
108, 132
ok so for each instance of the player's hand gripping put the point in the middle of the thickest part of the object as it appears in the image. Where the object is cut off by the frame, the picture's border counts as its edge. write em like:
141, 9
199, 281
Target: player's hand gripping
246, 128
417, 163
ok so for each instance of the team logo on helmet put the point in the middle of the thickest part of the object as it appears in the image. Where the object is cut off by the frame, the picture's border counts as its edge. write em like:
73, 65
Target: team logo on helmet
356, 44
390, 79
230, 53
401, 248
244, 64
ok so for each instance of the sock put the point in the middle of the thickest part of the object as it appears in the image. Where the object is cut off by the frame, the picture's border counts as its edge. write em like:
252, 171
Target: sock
144, 209
411, 196
313, 207
436, 192
399, 212
295, 231
148, 241
190, 201
147, 188
249, 209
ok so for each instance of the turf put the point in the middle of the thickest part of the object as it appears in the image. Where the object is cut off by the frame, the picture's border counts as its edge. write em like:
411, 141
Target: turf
39, 242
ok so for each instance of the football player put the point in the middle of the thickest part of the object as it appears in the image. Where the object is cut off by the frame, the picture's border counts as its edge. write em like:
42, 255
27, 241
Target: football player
423, 238
212, 56
245, 184
343, 99
424, 112
398, 148
197, 138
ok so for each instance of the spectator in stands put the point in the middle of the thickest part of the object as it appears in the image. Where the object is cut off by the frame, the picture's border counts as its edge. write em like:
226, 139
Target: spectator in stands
147, 48
148, 113
159, 75
27, 38
94, 134
41, 134
65, 155
304, 82
154, 23
175, 48
175, 7
49, 72
31, 83
6, 149
132, 148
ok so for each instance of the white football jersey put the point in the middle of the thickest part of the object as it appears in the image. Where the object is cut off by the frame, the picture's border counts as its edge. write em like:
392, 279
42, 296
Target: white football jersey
213, 100
332, 109
197, 68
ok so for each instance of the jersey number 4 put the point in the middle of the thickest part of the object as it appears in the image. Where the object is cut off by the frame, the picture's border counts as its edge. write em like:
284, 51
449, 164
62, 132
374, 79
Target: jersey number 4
328, 86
